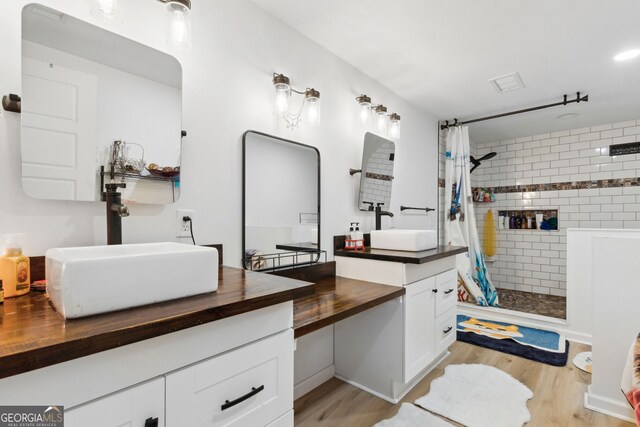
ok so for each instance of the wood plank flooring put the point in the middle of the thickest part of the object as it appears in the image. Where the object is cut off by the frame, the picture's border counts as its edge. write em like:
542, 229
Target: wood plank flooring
557, 401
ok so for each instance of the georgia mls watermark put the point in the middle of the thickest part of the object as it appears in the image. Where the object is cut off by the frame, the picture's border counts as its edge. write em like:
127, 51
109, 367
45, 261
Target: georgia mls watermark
32, 416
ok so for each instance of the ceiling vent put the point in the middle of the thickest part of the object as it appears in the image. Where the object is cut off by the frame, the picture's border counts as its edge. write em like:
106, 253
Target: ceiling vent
507, 83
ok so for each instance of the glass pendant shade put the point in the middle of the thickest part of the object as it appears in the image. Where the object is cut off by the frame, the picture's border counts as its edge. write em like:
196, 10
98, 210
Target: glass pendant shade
364, 108
110, 10
179, 26
281, 102
381, 119
312, 110
394, 126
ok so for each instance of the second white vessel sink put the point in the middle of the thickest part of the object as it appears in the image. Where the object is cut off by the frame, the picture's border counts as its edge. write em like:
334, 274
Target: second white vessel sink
83, 281
404, 240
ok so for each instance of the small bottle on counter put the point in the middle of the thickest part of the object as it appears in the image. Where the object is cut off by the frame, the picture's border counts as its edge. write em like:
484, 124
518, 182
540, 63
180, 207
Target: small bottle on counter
1, 292
14, 269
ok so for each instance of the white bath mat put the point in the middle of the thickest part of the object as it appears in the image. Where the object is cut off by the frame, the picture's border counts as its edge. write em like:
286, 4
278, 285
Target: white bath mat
478, 396
412, 416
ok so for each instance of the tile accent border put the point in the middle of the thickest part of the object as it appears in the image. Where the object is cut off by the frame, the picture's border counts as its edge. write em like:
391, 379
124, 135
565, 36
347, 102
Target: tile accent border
559, 186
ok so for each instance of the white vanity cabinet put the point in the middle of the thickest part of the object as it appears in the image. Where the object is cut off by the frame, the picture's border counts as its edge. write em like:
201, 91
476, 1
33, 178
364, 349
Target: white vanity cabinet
245, 387
387, 349
183, 378
139, 405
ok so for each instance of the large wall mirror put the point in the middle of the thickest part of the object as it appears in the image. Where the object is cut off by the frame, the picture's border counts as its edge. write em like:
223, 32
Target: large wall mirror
83, 89
281, 203
376, 178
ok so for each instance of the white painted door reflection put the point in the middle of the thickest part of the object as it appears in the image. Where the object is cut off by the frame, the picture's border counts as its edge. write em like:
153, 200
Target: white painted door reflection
58, 110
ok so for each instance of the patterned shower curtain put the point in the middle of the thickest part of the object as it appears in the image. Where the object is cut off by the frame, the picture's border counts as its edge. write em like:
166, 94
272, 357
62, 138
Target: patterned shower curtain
459, 218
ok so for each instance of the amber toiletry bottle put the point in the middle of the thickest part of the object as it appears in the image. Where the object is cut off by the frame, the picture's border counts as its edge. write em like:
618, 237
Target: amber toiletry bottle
1, 292
14, 270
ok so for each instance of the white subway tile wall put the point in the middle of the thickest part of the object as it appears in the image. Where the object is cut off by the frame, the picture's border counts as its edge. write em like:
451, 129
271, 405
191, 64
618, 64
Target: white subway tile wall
535, 260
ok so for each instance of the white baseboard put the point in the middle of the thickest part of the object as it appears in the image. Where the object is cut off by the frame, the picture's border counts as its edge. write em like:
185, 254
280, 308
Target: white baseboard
525, 319
315, 380
608, 406
367, 389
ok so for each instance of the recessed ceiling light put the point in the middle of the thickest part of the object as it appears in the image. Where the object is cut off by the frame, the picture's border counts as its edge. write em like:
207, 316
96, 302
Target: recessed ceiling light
567, 116
627, 54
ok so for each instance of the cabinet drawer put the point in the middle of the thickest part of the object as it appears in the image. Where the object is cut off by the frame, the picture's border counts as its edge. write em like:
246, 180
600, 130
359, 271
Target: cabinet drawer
446, 297
447, 276
250, 386
284, 421
127, 407
445, 331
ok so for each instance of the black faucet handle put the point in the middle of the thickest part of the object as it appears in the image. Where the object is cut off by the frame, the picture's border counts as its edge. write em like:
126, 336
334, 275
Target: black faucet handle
113, 186
380, 204
370, 205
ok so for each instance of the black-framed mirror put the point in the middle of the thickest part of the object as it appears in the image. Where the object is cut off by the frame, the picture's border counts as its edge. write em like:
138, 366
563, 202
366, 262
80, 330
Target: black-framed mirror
376, 178
280, 202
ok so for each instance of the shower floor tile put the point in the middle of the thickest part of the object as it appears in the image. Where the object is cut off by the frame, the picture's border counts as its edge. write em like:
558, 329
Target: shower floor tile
529, 302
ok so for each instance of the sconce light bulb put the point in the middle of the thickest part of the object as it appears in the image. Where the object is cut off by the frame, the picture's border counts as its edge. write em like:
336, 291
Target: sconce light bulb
381, 122
179, 26
313, 111
107, 9
394, 126
282, 97
364, 112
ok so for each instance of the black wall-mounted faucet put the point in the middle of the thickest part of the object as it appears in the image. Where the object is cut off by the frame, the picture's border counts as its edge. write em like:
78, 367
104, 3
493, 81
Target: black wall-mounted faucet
379, 214
115, 211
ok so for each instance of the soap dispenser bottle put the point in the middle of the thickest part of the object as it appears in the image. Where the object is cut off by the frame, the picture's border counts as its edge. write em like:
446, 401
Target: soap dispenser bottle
359, 237
14, 270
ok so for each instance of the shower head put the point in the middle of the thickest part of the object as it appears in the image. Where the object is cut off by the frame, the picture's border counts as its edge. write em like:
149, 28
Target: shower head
476, 162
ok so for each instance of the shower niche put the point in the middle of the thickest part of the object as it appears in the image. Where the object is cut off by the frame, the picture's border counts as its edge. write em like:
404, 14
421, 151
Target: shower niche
528, 219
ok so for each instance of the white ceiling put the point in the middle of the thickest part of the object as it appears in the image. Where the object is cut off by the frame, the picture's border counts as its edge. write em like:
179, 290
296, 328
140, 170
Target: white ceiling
439, 55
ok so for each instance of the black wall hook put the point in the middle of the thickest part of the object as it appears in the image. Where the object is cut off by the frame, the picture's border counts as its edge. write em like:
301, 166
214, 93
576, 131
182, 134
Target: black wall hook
12, 102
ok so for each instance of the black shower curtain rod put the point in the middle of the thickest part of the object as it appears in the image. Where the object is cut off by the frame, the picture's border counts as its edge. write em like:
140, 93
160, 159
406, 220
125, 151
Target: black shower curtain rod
565, 101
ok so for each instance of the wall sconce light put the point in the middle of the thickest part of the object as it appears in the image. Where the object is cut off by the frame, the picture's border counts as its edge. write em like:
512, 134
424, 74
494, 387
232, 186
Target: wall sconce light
110, 10
179, 23
364, 108
179, 34
310, 104
394, 126
385, 124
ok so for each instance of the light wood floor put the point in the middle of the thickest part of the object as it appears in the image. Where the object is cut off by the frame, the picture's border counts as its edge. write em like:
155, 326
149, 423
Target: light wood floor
558, 393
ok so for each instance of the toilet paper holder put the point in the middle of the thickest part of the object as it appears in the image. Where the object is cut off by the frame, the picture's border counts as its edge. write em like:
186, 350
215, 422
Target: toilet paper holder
12, 102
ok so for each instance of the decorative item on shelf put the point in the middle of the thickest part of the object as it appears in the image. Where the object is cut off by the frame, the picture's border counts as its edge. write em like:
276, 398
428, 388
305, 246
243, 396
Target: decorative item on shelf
167, 171
386, 125
179, 33
483, 195
309, 110
122, 160
528, 219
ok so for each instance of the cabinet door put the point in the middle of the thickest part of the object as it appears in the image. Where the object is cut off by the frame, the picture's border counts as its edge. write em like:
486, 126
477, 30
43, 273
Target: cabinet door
130, 407
418, 327
447, 296
249, 386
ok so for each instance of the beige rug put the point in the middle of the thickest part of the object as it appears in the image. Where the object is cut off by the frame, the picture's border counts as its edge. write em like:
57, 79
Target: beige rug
411, 416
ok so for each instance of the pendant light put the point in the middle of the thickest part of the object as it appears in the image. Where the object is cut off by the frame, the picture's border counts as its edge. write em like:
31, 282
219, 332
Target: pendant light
364, 108
179, 24
110, 10
394, 126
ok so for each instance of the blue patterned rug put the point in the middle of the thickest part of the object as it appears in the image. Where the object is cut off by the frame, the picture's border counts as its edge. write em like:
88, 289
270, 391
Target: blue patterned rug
531, 343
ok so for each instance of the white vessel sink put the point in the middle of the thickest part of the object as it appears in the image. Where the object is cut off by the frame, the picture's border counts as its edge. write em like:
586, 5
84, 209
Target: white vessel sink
404, 240
97, 279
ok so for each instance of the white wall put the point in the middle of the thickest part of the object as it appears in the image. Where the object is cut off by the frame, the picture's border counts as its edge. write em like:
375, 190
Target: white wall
227, 90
